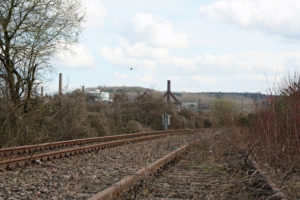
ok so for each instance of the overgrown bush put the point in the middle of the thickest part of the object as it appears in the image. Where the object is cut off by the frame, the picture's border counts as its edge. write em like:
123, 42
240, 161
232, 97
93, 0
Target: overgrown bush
69, 117
10, 120
223, 112
276, 126
63, 117
146, 111
191, 118
100, 124
72, 116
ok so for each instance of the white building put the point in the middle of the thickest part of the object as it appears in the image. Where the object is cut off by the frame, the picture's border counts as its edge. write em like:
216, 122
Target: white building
97, 94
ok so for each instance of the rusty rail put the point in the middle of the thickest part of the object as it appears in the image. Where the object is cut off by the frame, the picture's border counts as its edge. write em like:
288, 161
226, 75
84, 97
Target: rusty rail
5, 152
278, 194
127, 182
21, 161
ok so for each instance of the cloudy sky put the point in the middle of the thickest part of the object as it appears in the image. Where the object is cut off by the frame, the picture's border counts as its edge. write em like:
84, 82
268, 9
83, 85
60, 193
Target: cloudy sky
207, 45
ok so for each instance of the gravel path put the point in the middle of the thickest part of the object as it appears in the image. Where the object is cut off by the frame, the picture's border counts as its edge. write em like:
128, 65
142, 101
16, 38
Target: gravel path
80, 177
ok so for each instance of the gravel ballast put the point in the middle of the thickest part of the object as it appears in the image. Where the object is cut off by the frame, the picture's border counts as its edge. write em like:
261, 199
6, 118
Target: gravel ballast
82, 176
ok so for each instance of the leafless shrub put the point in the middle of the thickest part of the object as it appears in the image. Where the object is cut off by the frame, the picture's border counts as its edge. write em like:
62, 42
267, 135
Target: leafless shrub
191, 118
100, 124
71, 116
276, 126
134, 127
223, 112
64, 117
275, 134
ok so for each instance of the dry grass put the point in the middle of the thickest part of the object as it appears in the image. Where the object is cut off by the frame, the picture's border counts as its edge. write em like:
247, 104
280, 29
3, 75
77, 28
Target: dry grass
215, 167
275, 133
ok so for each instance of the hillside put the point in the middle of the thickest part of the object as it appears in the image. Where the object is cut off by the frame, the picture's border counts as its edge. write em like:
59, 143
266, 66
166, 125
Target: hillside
244, 100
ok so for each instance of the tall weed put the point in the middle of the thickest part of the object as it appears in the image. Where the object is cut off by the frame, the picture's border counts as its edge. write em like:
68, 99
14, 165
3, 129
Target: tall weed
275, 129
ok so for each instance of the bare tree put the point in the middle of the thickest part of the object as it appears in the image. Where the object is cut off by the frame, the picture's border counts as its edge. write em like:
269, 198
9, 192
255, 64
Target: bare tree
30, 32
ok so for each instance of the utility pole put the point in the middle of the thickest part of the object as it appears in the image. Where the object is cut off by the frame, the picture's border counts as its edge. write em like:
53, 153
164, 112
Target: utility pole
60, 84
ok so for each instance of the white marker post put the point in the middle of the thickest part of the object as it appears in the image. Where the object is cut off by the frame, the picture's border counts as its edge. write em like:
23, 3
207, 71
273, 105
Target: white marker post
166, 121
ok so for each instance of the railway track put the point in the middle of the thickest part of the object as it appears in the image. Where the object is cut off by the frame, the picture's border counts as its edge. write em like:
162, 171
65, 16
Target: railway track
193, 176
121, 187
30, 149
82, 176
146, 170
18, 156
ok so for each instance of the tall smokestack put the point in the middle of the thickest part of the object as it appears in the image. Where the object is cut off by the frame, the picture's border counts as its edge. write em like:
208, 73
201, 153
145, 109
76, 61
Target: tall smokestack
60, 84
168, 91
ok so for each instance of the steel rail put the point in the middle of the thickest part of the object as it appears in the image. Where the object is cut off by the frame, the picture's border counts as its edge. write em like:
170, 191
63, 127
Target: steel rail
22, 161
5, 152
118, 189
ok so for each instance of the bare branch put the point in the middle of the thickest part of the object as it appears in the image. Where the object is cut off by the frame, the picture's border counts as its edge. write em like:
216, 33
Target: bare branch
29, 34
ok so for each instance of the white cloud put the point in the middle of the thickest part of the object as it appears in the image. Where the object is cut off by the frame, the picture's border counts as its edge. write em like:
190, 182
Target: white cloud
77, 56
142, 50
146, 78
178, 63
96, 13
276, 16
205, 79
146, 44
141, 55
117, 57
248, 62
157, 32
121, 76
